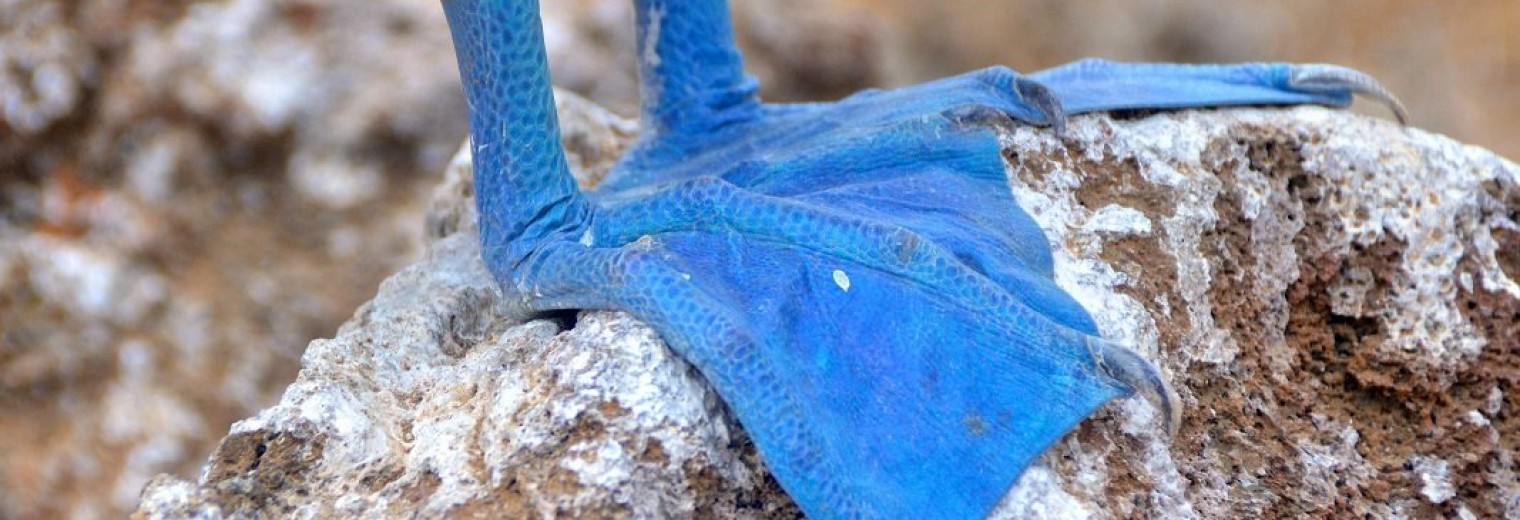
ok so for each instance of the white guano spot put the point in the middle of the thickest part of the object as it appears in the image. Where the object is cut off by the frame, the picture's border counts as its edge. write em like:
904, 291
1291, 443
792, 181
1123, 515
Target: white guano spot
842, 280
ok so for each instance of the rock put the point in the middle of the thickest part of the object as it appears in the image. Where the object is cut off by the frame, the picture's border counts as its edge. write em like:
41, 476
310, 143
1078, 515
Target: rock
42, 68
192, 191
426, 402
440, 408
1334, 298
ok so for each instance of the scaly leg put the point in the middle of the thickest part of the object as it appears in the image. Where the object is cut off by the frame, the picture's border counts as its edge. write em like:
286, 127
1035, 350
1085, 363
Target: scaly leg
994, 95
691, 76
523, 185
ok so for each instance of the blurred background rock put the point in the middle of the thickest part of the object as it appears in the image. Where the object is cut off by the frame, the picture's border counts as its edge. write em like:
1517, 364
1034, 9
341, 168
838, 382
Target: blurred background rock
192, 191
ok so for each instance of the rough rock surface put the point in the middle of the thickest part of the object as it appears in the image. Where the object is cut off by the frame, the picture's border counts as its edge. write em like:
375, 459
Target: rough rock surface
1334, 297
426, 403
191, 191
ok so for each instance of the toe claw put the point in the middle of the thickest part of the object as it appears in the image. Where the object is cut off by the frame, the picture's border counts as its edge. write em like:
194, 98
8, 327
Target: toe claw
975, 115
1319, 77
1126, 366
1044, 100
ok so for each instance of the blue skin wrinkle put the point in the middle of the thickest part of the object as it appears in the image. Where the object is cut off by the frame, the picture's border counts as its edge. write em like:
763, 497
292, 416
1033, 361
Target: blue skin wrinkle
853, 278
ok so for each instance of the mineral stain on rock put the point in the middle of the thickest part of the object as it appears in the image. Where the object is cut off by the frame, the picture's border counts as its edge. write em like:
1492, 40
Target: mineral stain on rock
1298, 405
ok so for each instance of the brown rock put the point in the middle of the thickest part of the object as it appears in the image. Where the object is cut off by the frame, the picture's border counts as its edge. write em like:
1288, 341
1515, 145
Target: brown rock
1328, 292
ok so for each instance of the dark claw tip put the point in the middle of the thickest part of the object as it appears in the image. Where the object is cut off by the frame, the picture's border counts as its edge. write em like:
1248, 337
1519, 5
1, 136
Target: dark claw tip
1319, 77
1126, 366
1044, 100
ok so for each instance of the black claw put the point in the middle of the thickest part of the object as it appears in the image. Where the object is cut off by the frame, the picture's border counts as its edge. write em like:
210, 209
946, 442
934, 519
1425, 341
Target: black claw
1043, 99
1318, 77
1125, 365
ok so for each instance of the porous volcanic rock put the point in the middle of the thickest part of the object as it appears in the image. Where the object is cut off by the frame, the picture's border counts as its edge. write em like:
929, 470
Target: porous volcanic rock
1334, 298
191, 191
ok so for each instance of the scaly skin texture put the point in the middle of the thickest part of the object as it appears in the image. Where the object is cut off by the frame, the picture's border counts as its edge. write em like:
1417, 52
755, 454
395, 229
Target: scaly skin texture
853, 278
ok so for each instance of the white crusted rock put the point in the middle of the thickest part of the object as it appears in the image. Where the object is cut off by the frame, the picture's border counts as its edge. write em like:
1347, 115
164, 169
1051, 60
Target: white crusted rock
1331, 295
426, 403
1334, 298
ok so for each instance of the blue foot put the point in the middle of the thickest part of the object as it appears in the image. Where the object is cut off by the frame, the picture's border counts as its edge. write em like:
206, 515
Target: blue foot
854, 278
873, 367
1096, 85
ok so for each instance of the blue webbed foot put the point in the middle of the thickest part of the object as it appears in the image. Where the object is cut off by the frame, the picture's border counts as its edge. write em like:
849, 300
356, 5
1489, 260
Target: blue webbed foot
1094, 85
769, 133
994, 96
872, 366
865, 259
854, 278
